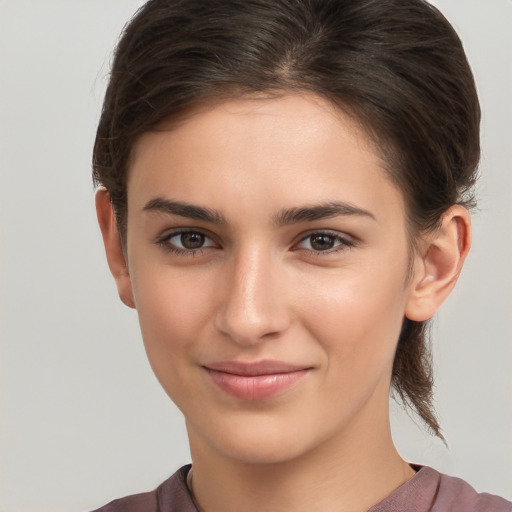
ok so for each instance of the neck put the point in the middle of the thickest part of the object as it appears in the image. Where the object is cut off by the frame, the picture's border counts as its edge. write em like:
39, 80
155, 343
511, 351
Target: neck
349, 473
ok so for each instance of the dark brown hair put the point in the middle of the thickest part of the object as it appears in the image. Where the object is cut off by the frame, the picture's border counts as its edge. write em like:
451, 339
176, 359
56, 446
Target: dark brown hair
396, 66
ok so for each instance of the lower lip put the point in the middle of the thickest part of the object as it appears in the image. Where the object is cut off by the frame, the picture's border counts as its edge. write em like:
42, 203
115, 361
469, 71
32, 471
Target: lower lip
255, 387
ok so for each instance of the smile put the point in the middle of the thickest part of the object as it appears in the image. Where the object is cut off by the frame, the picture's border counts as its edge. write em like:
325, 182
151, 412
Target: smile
255, 381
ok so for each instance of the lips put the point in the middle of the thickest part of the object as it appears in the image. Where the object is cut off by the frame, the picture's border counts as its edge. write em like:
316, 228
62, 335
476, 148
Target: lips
255, 381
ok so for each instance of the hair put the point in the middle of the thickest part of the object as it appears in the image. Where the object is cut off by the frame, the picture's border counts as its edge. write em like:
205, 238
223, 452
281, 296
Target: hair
396, 66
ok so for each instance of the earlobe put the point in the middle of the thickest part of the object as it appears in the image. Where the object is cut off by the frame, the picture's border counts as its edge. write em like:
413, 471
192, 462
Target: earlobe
437, 267
113, 247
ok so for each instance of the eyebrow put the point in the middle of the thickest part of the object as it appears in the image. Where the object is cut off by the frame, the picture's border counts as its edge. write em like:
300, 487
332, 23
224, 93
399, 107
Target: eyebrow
172, 207
283, 218
318, 212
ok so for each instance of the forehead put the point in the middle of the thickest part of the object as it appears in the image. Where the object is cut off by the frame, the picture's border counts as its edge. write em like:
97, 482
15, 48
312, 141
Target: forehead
297, 148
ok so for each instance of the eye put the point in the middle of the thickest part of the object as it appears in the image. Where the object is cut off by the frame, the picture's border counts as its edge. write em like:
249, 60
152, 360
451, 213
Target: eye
324, 242
186, 241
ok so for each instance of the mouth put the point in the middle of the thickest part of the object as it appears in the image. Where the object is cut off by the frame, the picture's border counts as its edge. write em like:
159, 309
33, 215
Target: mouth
255, 381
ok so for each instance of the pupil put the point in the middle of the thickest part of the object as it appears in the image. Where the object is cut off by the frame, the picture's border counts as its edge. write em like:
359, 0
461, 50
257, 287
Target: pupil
192, 240
322, 242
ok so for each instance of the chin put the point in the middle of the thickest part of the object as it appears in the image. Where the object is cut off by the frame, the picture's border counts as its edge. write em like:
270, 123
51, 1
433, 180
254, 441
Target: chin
260, 442
263, 453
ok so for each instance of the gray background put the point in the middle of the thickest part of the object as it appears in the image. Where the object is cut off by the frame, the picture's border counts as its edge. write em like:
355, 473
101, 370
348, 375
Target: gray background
83, 420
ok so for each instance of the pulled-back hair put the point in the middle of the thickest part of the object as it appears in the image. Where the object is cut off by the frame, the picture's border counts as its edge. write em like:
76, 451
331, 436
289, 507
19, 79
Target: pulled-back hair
395, 66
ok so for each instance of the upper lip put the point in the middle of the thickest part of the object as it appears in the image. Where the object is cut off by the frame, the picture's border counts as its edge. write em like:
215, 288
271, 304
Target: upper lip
250, 369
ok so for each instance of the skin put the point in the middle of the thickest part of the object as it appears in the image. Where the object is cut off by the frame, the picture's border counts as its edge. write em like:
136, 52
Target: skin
259, 289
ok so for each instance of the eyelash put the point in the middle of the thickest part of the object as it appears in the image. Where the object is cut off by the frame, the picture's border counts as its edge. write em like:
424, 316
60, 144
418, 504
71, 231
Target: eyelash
165, 243
343, 243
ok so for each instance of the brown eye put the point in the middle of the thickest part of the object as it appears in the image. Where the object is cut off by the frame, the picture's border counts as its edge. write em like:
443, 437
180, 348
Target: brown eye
186, 242
325, 242
192, 240
322, 242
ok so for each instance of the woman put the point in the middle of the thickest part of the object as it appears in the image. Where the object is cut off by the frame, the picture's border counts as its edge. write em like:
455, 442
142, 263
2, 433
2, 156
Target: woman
284, 194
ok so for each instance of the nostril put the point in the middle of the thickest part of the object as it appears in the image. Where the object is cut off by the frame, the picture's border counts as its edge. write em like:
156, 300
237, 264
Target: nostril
251, 305
250, 325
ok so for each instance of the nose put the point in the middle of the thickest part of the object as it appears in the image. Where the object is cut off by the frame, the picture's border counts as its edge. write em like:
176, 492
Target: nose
252, 305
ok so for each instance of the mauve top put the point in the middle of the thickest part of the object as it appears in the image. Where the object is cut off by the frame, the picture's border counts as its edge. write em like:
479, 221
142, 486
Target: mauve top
427, 491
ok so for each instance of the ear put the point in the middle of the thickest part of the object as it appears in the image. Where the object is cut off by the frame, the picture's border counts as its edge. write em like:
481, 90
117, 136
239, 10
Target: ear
113, 247
438, 264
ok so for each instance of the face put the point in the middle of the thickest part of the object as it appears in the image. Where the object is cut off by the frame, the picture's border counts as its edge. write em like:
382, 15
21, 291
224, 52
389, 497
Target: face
268, 258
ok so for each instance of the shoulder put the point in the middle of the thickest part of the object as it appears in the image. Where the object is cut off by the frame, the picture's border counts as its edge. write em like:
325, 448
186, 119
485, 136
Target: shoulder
430, 491
170, 496
147, 501
457, 495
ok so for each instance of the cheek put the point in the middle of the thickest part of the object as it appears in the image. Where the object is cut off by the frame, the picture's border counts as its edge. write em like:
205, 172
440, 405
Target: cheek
357, 316
174, 311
